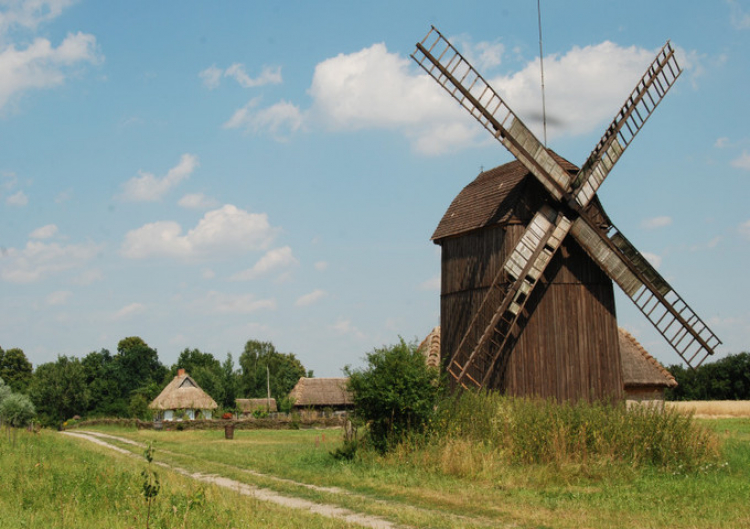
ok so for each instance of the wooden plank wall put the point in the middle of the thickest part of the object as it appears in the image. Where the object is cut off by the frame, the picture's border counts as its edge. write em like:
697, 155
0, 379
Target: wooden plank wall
568, 348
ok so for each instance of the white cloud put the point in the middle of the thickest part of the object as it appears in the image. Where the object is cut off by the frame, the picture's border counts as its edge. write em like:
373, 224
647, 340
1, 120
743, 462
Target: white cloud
269, 75
321, 266
273, 260
147, 187
280, 119
30, 14
652, 258
38, 260
224, 231
198, 201
744, 229
41, 65
310, 298
483, 55
127, 311
431, 284
344, 327
721, 142
212, 76
88, 277
17, 199
740, 18
373, 88
742, 162
218, 302
656, 222
59, 297
45, 232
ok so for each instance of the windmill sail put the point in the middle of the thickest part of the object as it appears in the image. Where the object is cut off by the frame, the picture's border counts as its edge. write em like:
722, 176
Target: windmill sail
685, 331
453, 72
640, 104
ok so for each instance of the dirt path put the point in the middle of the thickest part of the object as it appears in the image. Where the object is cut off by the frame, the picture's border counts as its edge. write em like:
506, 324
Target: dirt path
330, 511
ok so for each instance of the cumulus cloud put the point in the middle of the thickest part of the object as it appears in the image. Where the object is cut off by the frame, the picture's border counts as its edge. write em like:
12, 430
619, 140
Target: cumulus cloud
218, 302
280, 119
652, 258
147, 187
273, 260
321, 266
344, 327
39, 260
656, 222
742, 162
212, 75
45, 232
197, 201
41, 65
310, 298
739, 18
130, 310
59, 297
744, 229
224, 231
17, 199
30, 14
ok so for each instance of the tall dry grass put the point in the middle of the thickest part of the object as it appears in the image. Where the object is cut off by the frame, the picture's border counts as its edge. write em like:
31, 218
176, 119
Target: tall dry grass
478, 434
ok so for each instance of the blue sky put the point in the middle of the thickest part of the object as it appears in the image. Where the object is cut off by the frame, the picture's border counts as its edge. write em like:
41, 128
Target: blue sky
199, 174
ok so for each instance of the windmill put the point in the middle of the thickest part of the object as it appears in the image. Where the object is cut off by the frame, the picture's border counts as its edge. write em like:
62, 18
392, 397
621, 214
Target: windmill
570, 209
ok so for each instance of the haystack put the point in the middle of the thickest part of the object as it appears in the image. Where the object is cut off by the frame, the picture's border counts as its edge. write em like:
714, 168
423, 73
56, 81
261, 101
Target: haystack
183, 398
322, 393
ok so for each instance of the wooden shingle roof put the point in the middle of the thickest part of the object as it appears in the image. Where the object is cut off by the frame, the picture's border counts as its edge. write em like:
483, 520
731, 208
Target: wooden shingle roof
495, 197
640, 369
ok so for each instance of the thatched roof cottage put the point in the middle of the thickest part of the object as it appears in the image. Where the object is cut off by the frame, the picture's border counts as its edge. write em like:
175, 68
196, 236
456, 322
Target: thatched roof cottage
183, 399
644, 378
319, 393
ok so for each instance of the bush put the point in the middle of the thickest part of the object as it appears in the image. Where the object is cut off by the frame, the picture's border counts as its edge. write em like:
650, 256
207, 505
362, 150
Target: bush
395, 394
17, 410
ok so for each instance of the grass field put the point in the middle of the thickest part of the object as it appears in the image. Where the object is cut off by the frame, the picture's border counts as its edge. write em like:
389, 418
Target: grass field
297, 464
713, 408
49, 480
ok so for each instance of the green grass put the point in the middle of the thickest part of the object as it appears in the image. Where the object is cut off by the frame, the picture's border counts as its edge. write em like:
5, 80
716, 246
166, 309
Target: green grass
49, 480
408, 488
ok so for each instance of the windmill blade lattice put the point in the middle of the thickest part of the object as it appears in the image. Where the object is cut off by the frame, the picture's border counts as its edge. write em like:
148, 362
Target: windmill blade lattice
640, 104
683, 329
453, 72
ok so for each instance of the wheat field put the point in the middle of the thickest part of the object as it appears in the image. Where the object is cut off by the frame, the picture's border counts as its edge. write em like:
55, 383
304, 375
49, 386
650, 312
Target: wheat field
717, 409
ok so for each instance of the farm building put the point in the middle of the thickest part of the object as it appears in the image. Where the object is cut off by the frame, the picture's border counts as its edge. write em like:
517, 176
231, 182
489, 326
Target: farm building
321, 393
566, 343
182, 399
644, 378
246, 407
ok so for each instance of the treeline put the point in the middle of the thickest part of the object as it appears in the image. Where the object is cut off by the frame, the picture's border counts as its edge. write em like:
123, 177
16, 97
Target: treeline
102, 384
726, 379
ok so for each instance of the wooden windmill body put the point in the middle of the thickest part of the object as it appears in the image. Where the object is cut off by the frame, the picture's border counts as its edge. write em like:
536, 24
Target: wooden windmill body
529, 256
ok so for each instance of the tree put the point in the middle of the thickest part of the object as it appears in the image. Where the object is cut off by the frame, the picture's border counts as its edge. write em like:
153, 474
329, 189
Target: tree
725, 379
230, 381
104, 390
260, 362
136, 365
15, 369
59, 390
395, 393
205, 370
17, 410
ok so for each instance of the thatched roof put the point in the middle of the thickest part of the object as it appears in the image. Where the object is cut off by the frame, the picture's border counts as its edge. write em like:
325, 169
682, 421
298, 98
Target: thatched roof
250, 405
321, 392
182, 394
430, 348
640, 369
